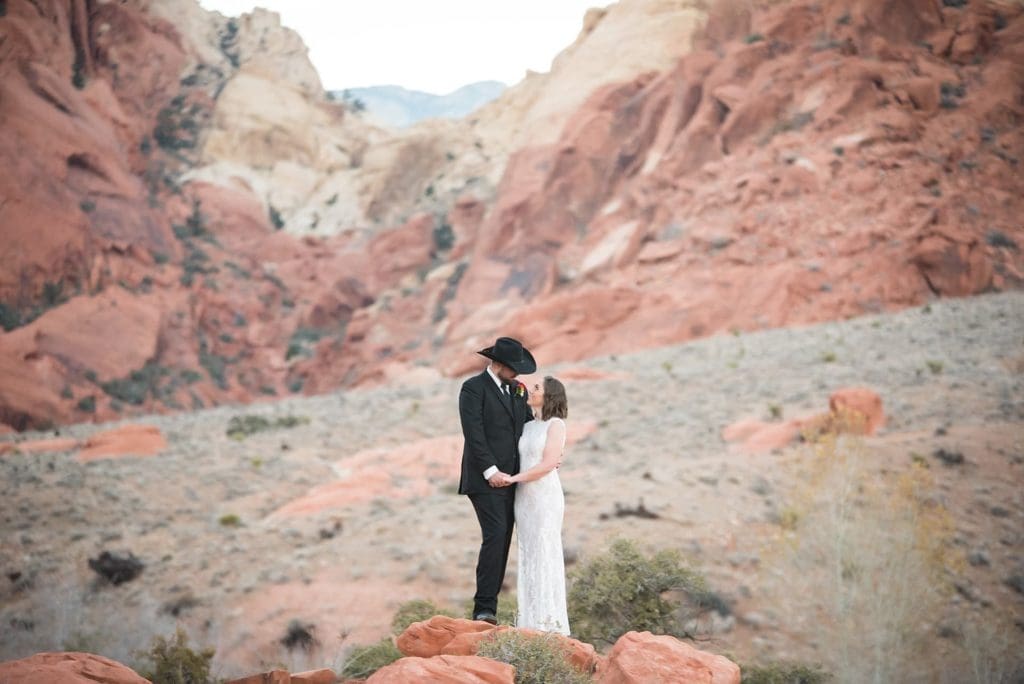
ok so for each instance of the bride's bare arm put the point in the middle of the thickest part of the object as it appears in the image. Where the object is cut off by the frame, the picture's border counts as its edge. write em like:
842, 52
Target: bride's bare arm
552, 457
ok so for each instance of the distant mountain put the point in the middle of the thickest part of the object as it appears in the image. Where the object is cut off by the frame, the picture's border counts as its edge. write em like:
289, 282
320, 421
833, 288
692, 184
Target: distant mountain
398, 107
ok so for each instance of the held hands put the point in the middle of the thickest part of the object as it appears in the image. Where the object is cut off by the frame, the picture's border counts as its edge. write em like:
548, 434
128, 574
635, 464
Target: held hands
500, 479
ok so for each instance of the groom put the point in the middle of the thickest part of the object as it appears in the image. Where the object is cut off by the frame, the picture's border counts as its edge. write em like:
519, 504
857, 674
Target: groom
493, 416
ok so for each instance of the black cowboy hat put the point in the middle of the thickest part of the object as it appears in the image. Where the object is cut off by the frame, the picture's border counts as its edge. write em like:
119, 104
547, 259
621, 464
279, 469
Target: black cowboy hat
512, 353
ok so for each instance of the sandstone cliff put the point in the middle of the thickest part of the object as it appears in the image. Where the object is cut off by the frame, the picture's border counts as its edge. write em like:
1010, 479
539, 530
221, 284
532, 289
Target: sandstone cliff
181, 185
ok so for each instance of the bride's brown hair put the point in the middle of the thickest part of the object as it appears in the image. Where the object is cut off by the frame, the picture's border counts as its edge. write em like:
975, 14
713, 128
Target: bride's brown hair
556, 405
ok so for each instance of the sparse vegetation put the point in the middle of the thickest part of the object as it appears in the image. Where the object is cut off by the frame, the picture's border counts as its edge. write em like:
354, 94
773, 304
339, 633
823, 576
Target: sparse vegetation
229, 42
87, 404
950, 94
935, 367
872, 554
363, 661
177, 127
230, 520
276, 219
302, 341
784, 673
623, 590
416, 610
444, 236
300, 635
997, 238
538, 659
173, 662
450, 289
240, 427
138, 386
753, 38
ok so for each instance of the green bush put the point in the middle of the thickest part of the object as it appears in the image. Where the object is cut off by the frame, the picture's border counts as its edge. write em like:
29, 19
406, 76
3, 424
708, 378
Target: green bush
363, 661
87, 404
538, 659
137, 386
230, 520
624, 590
175, 663
783, 673
416, 610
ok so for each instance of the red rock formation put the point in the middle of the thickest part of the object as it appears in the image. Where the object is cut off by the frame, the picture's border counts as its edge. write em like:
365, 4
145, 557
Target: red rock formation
322, 676
429, 638
851, 410
806, 163
859, 407
127, 440
67, 668
445, 669
640, 657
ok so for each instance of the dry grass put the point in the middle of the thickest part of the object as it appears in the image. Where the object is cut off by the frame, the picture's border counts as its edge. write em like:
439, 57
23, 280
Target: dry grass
871, 553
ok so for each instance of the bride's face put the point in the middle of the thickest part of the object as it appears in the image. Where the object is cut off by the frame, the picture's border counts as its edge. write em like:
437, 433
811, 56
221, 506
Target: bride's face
536, 399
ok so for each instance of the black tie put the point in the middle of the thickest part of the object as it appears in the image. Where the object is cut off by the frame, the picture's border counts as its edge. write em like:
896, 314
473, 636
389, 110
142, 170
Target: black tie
506, 396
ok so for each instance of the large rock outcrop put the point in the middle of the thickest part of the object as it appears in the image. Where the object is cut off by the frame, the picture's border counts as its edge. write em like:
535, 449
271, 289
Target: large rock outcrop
191, 194
72, 668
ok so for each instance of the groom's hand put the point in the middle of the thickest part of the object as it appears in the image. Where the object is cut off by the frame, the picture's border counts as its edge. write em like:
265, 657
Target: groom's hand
499, 479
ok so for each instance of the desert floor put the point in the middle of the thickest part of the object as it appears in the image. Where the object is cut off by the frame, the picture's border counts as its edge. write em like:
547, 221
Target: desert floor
344, 517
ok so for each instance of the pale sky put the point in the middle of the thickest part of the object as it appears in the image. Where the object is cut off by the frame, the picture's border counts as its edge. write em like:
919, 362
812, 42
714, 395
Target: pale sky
430, 45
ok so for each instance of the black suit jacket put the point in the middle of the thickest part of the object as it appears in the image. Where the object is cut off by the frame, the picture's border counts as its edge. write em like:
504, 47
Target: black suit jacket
491, 433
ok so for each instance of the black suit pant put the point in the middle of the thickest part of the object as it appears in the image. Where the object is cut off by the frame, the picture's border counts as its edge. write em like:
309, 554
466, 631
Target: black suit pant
496, 514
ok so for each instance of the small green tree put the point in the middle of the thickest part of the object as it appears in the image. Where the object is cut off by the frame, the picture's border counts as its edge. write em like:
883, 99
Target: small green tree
623, 590
175, 663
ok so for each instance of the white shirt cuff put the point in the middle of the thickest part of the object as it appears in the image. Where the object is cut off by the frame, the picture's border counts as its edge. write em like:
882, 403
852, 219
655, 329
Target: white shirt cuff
490, 472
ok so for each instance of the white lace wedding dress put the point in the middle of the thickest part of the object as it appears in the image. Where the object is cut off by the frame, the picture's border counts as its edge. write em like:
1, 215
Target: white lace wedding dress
540, 582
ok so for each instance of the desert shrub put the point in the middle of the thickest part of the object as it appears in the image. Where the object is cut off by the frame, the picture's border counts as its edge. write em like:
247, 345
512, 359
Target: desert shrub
240, 427
783, 673
993, 654
444, 236
302, 341
136, 386
624, 590
416, 610
276, 219
538, 659
872, 554
215, 366
451, 287
363, 661
87, 404
230, 520
173, 662
300, 635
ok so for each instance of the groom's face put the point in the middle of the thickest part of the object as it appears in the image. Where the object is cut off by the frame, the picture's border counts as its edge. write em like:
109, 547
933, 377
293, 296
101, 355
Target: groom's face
504, 372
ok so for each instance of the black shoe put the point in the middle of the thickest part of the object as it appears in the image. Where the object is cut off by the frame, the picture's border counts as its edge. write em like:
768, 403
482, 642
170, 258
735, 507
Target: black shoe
486, 616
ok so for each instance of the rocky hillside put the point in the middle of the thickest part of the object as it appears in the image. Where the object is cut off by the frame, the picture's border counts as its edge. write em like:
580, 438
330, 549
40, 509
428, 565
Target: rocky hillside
398, 107
182, 186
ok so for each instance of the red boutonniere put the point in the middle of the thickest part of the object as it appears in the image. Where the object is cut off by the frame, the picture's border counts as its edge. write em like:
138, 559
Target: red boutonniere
520, 389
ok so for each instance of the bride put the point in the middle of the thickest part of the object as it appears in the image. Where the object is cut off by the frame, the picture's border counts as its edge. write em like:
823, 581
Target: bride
539, 506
